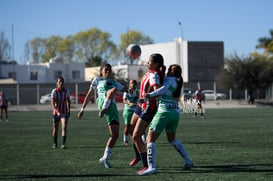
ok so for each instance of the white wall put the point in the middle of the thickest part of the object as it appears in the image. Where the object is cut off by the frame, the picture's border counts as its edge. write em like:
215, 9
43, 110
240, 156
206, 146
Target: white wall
173, 53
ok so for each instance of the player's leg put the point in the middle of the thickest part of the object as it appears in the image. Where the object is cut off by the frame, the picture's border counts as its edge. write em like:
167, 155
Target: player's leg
1, 113
107, 101
131, 130
179, 147
114, 132
64, 131
55, 132
138, 131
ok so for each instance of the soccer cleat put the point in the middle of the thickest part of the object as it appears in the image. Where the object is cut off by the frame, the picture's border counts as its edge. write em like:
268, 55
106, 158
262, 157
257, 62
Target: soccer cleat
125, 142
102, 112
134, 161
142, 170
63, 147
7, 120
54, 146
188, 166
148, 171
105, 163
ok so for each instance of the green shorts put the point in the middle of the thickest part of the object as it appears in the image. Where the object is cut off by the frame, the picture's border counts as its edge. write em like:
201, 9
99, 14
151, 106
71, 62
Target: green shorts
112, 115
165, 120
127, 115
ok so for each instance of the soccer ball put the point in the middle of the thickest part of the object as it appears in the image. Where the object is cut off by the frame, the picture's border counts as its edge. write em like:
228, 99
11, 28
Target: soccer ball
133, 51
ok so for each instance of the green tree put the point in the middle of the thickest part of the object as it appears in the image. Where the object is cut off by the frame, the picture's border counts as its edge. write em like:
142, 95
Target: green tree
36, 48
251, 73
51, 47
132, 37
65, 48
4, 48
94, 46
266, 43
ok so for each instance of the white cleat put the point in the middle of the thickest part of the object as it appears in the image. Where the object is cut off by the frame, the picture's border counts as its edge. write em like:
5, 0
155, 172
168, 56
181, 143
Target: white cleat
105, 163
148, 171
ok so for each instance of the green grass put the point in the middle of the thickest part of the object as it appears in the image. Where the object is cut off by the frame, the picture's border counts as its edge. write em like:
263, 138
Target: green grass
228, 144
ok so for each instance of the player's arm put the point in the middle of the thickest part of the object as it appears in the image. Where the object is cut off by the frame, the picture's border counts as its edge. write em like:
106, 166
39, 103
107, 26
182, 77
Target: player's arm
54, 108
159, 91
85, 102
68, 104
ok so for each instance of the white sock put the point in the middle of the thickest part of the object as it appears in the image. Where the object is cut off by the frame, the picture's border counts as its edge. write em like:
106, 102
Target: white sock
143, 137
106, 103
125, 138
107, 153
181, 150
151, 154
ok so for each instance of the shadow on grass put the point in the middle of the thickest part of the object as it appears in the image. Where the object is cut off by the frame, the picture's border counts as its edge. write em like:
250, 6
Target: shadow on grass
222, 168
52, 176
201, 143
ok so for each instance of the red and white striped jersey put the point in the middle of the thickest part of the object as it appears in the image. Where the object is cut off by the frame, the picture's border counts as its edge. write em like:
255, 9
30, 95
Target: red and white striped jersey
60, 97
150, 79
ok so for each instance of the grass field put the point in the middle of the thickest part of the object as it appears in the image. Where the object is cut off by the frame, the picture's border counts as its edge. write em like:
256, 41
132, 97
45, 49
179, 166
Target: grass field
228, 144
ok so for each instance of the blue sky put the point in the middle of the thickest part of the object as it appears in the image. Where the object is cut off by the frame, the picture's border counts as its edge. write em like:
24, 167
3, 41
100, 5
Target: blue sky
238, 23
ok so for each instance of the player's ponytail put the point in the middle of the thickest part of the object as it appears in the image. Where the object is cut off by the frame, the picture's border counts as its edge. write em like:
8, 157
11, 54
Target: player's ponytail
177, 73
162, 74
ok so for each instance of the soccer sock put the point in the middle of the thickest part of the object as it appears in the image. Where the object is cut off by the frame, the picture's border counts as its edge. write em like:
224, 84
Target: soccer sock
151, 153
63, 139
106, 103
55, 139
107, 153
143, 137
143, 157
125, 138
136, 151
181, 150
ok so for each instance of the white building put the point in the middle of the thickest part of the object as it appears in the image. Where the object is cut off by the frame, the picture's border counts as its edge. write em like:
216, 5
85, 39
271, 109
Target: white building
175, 52
44, 72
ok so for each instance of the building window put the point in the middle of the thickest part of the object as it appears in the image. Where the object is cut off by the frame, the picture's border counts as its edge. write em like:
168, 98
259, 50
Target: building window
57, 73
75, 74
34, 75
12, 75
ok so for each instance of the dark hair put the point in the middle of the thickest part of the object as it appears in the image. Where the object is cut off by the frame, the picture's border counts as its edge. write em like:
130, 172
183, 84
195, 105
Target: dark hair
177, 71
61, 79
158, 58
105, 64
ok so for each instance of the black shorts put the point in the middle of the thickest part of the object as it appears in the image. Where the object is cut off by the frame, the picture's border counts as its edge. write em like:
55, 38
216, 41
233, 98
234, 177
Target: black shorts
58, 118
4, 107
146, 115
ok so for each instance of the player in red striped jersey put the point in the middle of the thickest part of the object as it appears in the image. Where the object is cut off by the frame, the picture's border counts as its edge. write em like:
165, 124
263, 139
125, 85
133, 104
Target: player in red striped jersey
146, 108
60, 103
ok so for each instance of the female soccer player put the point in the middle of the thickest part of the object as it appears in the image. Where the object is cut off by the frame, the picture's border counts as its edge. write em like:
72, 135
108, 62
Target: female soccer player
106, 89
130, 99
3, 105
60, 102
167, 117
146, 108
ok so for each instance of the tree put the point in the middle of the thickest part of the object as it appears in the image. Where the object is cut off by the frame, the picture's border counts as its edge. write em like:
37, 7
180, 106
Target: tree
249, 73
4, 48
35, 47
65, 48
94, 46
266, 43
51, 47
132, 37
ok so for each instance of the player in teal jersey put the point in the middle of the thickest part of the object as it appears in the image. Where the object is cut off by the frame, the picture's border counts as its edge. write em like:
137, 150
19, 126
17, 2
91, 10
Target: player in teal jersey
167, 117
105, 88
130, 99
